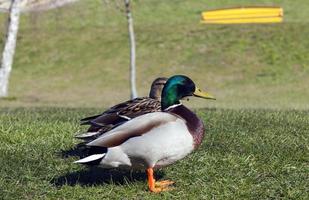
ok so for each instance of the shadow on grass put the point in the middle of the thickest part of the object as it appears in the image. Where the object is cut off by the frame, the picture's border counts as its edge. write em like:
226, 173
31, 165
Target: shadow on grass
78, 150
95, 175
98, 176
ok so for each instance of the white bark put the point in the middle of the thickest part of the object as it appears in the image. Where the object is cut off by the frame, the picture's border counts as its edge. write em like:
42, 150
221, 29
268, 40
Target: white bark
9, 46
132, 50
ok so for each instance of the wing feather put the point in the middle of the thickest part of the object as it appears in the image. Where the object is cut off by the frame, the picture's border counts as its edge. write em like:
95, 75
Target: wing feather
133, 128
121, 113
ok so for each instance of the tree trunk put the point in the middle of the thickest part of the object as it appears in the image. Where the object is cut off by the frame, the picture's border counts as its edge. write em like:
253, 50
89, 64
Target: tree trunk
132, 50
9, 47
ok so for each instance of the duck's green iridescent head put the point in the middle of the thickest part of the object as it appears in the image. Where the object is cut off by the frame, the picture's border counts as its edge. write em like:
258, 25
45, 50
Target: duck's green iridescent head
178, 87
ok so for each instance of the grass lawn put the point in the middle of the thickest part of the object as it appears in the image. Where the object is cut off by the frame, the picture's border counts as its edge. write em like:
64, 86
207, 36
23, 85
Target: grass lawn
246, 154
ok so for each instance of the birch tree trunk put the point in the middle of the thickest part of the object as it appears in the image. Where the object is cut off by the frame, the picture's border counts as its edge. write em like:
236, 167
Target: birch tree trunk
132, 50
9, 47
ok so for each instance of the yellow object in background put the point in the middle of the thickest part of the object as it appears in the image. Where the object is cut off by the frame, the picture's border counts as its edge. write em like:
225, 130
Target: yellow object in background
243, 15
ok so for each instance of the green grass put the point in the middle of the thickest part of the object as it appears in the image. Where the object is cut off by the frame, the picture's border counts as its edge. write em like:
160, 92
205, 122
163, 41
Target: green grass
78, 55
246, 154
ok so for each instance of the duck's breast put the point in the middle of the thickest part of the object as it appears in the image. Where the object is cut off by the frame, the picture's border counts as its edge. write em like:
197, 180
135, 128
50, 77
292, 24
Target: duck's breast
161, 146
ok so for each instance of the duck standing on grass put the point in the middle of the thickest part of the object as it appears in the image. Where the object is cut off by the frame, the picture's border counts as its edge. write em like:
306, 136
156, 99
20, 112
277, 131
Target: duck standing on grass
123, 112
153, 140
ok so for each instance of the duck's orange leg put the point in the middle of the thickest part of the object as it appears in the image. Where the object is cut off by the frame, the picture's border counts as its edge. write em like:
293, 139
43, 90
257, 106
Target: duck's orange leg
157, 186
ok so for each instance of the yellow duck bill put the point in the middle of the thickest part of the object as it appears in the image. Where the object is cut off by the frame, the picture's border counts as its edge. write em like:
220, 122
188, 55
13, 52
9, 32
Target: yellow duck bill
199, 93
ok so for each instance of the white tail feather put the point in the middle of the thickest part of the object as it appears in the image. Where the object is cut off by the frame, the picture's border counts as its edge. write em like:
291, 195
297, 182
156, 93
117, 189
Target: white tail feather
86, 135
90, 158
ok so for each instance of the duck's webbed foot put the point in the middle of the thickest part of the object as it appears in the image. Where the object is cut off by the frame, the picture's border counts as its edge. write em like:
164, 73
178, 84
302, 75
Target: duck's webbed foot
158, 186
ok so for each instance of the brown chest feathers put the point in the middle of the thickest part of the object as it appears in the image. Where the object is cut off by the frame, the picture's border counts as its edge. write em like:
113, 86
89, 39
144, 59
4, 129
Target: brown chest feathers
194, 124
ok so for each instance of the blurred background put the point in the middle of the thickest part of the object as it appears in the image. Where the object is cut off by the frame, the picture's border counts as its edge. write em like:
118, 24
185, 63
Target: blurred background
77, 55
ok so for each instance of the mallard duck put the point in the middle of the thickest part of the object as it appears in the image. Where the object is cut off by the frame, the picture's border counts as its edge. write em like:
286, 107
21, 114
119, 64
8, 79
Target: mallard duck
123, 112
155, 139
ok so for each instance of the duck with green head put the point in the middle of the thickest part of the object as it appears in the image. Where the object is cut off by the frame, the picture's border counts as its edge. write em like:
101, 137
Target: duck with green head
153, 140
